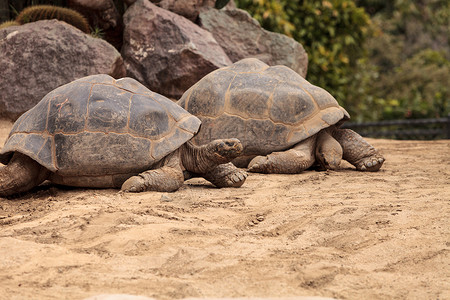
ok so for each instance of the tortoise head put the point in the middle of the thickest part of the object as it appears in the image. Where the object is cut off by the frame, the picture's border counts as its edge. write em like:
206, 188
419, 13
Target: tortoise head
225, 150
328, 151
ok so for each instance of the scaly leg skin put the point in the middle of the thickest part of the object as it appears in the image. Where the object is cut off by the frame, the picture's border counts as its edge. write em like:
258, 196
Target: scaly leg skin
292, 161
328, 151
226, 175
357, 151
167, 178
20, 175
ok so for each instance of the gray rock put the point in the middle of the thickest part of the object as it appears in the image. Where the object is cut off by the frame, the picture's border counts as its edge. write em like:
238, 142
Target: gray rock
241, 36
166, 198
167, 52
189, 8
37, 57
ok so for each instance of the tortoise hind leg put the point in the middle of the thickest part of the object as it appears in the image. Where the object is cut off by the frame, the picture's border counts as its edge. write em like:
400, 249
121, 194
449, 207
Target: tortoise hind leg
20, 175
357, 151
226, 175
167, 178
295, 160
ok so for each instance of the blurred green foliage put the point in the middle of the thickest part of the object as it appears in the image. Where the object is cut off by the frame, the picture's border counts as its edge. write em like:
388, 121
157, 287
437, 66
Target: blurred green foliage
411, 52
380, 59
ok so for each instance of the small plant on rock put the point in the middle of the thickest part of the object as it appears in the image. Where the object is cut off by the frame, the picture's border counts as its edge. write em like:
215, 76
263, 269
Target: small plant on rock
47, 12
9, 23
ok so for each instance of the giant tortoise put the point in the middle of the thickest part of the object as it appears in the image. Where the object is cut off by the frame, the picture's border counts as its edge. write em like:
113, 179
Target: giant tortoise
285, 124
100, 132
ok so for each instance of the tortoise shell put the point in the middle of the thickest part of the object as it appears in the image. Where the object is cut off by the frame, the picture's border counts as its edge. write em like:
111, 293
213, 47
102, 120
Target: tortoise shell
267, 108
97, 126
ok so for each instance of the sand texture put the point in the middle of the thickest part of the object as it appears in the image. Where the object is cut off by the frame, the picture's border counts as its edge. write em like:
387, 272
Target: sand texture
339, 234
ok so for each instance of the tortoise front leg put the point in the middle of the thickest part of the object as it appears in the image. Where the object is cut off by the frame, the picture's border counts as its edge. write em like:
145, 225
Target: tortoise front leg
21, 174
226, 175
168, 178
295, 160
357, 151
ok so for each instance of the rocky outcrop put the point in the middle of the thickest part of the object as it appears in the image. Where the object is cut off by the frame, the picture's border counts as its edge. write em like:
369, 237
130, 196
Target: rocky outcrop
103, 16
168, 45
241, 36
189, 8
167, 52
36, 58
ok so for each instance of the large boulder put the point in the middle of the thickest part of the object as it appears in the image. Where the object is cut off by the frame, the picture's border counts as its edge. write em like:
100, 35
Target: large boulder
37, 57
241, 36
103, 17
189, 8
167, 52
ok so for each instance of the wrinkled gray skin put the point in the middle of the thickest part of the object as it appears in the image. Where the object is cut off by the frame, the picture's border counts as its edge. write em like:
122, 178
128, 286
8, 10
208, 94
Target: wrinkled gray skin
284, 123
105, 133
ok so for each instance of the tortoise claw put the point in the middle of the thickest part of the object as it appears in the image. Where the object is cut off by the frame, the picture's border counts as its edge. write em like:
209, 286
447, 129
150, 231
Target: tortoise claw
237, 179
371, 164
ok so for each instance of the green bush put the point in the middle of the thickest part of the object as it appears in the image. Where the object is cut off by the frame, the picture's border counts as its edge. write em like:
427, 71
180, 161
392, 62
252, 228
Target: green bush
418, 88
411, 52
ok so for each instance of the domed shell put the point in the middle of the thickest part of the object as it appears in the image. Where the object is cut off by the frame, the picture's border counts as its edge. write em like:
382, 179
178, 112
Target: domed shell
97, 125
267, 108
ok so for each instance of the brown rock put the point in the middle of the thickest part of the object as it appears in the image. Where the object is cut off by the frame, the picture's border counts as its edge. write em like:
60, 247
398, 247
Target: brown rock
189, 8
167, 52
241, 36
36, 58
129, 2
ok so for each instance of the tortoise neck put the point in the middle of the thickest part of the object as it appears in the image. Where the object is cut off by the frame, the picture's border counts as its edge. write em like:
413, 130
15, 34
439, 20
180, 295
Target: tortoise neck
197, 159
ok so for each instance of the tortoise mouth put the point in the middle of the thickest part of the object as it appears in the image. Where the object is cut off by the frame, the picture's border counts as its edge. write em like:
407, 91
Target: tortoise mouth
229, 154
227, 150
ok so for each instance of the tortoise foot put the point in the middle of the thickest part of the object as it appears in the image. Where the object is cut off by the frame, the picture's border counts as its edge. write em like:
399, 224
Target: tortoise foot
370, 164
226, 175
134, 184
260, 164
236, 179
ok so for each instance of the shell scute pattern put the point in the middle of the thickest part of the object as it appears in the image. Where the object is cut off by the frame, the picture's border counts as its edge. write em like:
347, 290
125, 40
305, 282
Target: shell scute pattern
292, 105
267, 108
250, 95
106, 109
215, 86
148, 119
98, 126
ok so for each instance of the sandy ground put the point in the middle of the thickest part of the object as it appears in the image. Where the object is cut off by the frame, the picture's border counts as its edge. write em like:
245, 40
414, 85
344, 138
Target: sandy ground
342, 234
